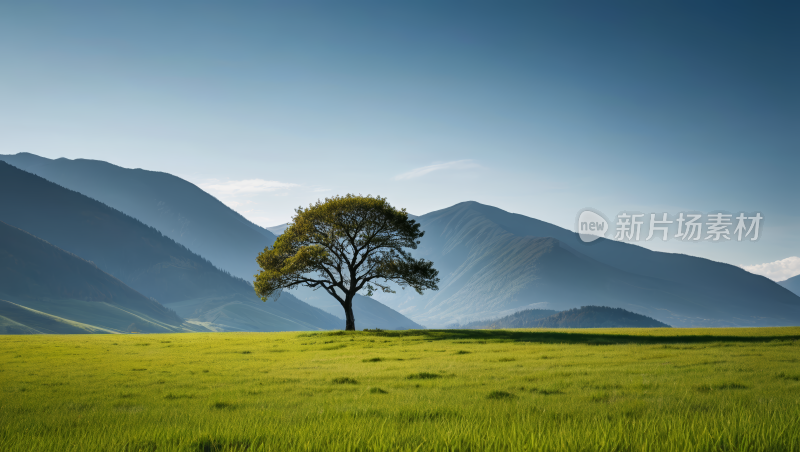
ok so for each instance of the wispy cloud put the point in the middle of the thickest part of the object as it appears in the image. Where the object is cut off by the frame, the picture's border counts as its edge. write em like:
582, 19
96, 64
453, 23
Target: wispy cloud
421, 171
778, 270
247, 186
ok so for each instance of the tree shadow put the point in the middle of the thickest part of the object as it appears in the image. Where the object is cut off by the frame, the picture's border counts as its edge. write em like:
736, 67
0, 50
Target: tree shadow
556, 337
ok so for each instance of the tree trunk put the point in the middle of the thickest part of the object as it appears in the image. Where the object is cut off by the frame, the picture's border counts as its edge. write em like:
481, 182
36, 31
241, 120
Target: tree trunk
348, 313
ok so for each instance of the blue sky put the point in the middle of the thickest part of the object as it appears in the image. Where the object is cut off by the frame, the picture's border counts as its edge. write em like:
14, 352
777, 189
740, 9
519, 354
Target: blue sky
537, 109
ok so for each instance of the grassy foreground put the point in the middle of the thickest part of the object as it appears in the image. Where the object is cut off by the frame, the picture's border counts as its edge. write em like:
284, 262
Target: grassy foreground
509, 390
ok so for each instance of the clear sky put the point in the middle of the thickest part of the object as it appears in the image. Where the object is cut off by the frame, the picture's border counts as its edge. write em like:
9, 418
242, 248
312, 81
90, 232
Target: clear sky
537, 109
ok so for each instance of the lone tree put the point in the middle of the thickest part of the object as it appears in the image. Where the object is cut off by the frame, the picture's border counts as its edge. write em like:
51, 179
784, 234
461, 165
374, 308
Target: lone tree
343, 245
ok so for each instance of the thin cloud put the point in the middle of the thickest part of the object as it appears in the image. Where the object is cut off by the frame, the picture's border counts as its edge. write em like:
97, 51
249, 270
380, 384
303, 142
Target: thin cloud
236, 204
261, 220
421, 171
778, 270
247, 186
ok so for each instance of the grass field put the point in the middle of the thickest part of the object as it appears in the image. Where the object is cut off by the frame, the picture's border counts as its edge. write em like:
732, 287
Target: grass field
509, 390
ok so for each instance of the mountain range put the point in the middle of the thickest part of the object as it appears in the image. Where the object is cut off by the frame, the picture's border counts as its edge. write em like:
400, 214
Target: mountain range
144, 259
204, 294
493, 263
176, 208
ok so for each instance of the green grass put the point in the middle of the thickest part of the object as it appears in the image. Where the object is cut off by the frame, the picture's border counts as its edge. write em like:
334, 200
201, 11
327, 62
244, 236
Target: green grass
450, 390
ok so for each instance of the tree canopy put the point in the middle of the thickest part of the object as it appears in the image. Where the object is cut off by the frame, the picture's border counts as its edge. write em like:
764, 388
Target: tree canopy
344, 245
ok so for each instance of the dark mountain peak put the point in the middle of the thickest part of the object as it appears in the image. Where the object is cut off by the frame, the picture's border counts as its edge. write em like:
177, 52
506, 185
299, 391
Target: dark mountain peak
583, 317
599, 317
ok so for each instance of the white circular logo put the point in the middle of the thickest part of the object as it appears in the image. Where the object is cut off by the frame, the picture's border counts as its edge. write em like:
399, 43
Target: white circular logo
591, 225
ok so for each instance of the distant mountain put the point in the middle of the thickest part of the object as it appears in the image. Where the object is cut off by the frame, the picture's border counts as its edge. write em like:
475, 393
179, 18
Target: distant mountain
792, 284
493, 263
52, 291
177, 208
278, 230
599, 317
528, 318
583, 317
144, 259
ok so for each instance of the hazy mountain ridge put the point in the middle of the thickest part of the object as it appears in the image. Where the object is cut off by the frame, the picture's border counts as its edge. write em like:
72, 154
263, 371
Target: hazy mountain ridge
278, 230
793, 284
491, 260
715, 279
176, 208
486, 270
141, 257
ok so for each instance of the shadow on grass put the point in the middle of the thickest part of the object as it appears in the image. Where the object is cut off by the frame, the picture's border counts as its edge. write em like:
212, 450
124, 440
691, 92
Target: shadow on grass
556, 337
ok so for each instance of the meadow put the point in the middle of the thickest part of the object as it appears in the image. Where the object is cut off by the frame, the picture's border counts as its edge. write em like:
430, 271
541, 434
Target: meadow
445, 390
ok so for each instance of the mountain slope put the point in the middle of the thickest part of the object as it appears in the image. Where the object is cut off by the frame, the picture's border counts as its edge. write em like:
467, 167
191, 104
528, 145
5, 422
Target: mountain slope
141, 257
177, 208
52, 290
715, 279
18, 319
493, 263
793, 284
